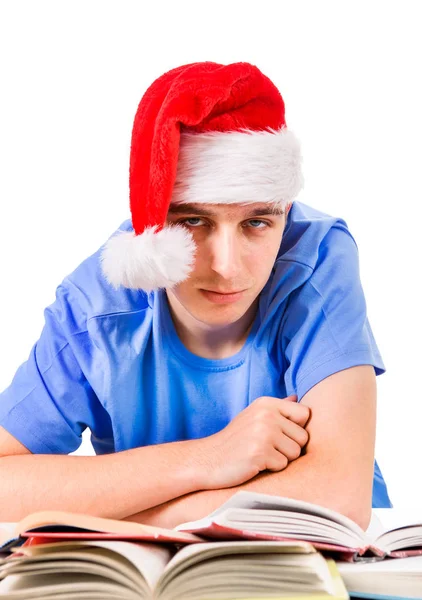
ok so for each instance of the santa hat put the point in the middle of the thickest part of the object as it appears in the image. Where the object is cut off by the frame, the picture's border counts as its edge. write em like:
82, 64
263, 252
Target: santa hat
203, 133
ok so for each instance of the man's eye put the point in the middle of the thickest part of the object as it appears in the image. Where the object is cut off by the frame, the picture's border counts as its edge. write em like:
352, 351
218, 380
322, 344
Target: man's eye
197, 222
253, 222
189, 221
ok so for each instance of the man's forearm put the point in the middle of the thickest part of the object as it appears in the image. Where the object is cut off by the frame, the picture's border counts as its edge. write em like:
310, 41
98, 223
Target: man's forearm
303, 479
336, 471
115, 485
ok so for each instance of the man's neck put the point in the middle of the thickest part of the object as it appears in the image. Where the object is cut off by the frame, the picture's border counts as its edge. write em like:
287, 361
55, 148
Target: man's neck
210, 341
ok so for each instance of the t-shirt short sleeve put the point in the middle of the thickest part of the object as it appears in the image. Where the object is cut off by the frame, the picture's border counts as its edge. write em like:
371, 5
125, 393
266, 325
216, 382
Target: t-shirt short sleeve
327, 329
49, 402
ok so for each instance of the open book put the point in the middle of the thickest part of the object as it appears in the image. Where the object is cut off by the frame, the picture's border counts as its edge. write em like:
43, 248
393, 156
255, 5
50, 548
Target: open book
113, 570
51, 524
248, 515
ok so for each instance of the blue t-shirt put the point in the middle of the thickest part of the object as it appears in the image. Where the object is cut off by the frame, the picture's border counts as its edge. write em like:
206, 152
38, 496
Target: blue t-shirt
111, 360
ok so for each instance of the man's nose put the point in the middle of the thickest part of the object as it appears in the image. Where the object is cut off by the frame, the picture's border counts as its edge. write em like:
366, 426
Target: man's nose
225, 253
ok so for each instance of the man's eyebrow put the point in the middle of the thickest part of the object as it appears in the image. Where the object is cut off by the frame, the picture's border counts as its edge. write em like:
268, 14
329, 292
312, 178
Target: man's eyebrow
188, 209
274, 211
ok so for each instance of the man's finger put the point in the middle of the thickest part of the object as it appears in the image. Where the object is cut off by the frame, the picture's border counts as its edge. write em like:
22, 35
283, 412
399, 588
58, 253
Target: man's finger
299, 413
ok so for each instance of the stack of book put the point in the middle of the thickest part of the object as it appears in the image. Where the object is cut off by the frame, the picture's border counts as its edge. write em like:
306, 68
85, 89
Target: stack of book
255, 546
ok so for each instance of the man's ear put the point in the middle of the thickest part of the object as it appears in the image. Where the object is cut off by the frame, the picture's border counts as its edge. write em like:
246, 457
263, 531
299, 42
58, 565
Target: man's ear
288, 207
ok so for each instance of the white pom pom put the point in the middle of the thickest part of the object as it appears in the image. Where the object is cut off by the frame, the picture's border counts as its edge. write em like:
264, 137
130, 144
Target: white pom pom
150, 260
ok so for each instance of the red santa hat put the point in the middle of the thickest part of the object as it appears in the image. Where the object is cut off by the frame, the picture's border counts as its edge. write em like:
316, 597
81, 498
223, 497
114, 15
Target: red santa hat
203, 133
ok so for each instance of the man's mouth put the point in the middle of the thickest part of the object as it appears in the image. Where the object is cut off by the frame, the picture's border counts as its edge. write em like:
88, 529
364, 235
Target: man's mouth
222, 297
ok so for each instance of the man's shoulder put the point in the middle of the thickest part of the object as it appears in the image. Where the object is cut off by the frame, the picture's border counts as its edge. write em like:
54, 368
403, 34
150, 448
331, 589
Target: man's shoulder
88, 289
309, 232
312, 241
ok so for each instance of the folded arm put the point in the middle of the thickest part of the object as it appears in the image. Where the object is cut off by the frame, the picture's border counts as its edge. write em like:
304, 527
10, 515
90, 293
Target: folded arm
335, 471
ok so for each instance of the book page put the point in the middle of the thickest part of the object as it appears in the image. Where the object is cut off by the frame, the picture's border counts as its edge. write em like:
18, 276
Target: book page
393, 518
410, 564
236, 566
65, 587
6, 532
391, 577
122, 528
254, 500
116, 571
190, 553
148, 559
398, 529
375, 527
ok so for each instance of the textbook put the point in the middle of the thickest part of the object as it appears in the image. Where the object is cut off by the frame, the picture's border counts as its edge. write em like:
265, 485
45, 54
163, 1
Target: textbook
115, 570
249, 515
386, 579
50, 524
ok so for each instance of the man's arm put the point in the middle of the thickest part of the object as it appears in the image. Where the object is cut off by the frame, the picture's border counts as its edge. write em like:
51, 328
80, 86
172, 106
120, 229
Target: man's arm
266, 435
114, 485
337, 469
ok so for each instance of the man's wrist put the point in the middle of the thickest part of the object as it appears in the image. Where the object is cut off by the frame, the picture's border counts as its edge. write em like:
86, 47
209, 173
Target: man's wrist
198, 464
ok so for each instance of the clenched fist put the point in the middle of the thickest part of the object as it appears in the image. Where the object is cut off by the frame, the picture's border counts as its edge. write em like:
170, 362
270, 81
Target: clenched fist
266, 435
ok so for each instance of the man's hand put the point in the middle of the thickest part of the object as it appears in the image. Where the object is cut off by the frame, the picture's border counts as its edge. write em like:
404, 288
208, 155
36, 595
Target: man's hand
266, 435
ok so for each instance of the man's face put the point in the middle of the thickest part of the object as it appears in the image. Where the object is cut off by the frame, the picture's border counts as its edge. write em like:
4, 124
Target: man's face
236, 249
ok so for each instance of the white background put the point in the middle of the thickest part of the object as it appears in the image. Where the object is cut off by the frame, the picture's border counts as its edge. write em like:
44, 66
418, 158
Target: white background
72, 74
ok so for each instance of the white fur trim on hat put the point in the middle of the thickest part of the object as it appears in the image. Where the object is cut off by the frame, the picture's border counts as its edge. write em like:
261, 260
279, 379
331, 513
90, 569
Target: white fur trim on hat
237, 167
150, 260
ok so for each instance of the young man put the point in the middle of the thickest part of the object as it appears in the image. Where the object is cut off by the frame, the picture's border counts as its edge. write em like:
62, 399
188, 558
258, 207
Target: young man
218, 341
